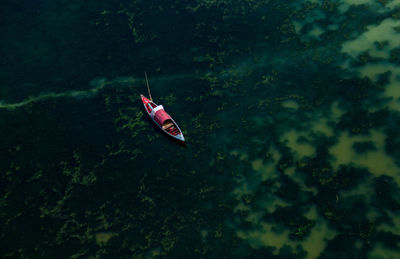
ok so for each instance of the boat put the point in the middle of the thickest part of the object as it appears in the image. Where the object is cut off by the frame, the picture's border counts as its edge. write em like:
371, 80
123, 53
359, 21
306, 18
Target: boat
160, 117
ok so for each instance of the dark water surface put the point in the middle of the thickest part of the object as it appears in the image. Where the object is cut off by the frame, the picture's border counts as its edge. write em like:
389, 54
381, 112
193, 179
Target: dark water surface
291, 112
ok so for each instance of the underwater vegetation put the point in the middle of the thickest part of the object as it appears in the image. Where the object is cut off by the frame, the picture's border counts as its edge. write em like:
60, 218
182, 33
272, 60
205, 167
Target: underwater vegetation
291, 111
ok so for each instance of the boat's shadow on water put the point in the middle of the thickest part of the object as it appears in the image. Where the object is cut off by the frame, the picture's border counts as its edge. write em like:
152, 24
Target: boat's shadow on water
159, 131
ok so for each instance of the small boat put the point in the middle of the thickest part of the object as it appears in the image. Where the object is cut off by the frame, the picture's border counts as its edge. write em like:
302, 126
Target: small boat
160, 117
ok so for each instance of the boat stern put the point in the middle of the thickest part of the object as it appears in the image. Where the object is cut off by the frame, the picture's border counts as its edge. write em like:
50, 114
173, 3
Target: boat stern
180, 137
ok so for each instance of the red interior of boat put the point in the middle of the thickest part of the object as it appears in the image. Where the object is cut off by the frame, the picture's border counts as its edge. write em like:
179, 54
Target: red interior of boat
152, 105
173, 130
170, 127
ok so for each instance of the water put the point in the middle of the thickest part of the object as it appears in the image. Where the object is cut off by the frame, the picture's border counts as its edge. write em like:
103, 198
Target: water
290, 111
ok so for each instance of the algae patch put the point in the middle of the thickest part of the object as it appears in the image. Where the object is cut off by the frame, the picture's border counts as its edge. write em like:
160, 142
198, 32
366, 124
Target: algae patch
102, 238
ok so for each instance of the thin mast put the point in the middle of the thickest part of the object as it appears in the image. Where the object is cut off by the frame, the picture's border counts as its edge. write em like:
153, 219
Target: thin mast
148, 87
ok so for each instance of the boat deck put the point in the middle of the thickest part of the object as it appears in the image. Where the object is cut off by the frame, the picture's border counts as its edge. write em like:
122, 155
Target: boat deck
173, 130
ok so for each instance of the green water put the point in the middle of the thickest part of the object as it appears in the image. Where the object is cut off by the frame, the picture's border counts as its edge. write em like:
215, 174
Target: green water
290, 110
